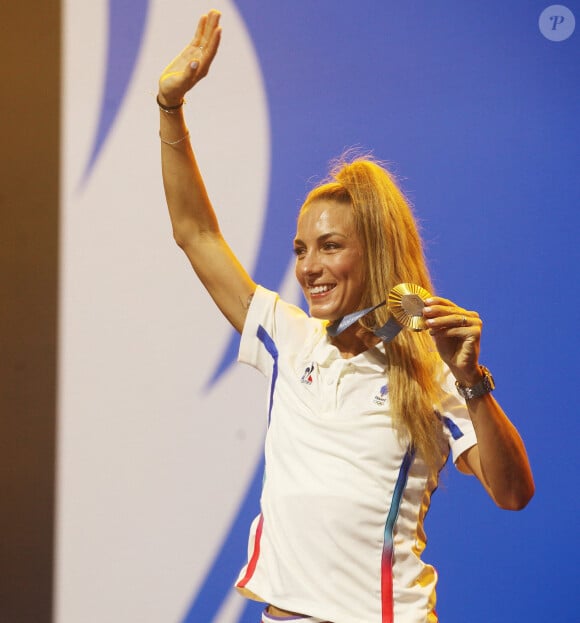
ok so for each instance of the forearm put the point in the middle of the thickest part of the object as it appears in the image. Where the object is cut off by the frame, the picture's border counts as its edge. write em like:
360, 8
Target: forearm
502, 455
189, 206
195, 226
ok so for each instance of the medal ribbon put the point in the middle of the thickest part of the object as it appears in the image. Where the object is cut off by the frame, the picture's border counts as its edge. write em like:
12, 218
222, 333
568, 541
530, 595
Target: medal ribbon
387, 332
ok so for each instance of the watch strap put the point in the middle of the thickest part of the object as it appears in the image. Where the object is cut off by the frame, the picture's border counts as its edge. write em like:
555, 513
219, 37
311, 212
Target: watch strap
484, 386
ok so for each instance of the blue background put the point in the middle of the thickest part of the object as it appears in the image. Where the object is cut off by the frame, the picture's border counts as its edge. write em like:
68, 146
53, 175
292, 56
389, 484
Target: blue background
478, 114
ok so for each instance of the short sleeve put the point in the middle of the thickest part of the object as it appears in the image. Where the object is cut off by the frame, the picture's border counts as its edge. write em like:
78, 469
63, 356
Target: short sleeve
457, 423
271, 326
260, 314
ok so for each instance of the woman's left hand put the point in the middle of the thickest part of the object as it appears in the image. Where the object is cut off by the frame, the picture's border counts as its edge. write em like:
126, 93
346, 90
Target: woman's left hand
457, 333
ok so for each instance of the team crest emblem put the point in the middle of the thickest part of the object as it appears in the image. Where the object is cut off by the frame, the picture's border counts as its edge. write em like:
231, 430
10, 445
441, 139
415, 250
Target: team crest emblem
307, 376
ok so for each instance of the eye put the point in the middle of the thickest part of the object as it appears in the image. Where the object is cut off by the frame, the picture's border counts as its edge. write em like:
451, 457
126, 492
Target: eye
330, 246
299, 251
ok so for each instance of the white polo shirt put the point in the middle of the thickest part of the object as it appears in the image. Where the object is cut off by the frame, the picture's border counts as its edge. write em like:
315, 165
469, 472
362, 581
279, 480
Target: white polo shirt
340, 533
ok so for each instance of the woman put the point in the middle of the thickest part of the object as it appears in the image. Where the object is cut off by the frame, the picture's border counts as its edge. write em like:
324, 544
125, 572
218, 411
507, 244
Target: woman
359, 424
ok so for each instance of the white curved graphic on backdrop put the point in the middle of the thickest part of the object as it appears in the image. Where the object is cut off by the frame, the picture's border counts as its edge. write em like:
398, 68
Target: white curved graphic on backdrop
151, 468
125, 29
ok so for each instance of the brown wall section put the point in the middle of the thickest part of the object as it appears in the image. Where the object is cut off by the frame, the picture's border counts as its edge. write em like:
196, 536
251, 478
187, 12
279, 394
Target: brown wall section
29, 208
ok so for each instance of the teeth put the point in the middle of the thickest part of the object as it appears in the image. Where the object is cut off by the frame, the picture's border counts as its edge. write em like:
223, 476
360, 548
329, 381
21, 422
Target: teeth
320, 289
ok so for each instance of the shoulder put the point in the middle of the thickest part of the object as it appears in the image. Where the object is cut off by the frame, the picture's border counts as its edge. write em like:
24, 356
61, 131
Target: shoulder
282, 324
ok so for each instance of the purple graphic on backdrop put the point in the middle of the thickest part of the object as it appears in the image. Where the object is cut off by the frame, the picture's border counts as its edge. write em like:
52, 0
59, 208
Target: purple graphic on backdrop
126, 26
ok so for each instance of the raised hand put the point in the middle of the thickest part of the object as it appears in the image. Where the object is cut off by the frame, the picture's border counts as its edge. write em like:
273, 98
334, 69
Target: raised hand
192, 63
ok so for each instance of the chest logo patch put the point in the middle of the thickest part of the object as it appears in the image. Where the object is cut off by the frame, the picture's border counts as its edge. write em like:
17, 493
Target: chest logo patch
381, 397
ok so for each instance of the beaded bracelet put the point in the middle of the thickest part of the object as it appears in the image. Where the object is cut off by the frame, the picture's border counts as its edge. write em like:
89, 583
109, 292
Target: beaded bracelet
179, 140
170, 110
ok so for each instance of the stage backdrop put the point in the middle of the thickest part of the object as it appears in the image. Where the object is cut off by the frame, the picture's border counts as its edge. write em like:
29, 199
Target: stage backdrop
475, 105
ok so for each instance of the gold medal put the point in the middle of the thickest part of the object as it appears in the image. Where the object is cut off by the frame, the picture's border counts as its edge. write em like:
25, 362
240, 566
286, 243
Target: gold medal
406, 303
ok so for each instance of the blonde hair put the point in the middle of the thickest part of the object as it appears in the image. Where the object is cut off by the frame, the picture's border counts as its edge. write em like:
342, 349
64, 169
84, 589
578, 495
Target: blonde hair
393, 254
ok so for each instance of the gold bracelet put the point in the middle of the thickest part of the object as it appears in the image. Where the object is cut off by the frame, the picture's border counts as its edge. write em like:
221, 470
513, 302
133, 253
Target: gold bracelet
179, 140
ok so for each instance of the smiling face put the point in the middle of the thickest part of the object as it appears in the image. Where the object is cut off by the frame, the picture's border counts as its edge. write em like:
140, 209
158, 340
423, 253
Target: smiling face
329, 259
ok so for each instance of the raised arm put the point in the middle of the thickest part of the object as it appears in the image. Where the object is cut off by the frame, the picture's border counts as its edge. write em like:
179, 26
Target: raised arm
195, 225
499, 460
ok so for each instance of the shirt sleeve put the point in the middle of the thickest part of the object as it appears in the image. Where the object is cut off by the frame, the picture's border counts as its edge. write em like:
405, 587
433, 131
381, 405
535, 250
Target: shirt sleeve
457, 423
271, 326
260, 314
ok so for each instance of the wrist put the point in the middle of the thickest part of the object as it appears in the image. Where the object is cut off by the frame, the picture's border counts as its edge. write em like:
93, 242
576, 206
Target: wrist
169, 105
468, 378
482, 385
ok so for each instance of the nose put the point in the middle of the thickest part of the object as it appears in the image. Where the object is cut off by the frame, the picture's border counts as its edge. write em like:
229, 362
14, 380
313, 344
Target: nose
309, 264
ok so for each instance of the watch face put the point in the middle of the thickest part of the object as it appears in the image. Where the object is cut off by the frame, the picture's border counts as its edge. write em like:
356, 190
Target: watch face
406, 303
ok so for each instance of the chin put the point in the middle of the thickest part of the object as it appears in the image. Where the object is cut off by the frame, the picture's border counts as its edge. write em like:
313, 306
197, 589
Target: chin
320, 314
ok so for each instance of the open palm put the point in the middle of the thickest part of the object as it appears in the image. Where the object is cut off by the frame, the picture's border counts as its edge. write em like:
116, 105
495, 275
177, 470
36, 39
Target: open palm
193, 62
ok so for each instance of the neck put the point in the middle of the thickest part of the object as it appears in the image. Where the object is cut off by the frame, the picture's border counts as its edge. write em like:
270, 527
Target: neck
354, 340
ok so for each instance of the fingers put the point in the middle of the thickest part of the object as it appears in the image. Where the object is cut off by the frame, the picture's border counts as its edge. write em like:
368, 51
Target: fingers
207, 27
204, 45
199, 31
449, 320
443, 315
211, 24
456, 333
455, 327
194, 62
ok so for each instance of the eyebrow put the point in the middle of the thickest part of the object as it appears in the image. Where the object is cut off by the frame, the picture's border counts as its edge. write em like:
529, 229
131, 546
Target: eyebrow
322, 237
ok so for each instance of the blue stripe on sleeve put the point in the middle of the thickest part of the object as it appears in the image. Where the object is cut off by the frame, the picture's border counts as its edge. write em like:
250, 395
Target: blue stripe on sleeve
455, 431
269, 345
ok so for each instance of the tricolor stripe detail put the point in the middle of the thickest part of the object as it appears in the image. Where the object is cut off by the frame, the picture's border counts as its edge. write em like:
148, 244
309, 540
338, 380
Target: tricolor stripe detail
255, 554
387, 556
270, 346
